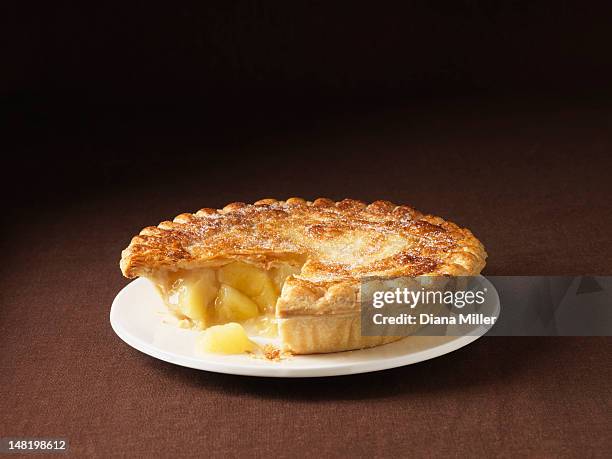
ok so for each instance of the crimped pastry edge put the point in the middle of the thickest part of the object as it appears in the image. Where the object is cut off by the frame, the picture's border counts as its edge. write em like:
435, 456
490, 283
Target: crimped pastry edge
302, 303
469, 260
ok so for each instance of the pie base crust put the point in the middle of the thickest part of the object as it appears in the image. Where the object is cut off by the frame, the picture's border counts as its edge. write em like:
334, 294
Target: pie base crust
336, 244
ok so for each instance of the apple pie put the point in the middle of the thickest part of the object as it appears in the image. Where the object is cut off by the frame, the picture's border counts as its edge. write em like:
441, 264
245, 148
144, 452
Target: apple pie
293, 268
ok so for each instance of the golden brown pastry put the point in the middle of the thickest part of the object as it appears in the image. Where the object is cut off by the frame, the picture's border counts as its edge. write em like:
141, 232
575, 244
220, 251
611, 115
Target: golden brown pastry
297, 261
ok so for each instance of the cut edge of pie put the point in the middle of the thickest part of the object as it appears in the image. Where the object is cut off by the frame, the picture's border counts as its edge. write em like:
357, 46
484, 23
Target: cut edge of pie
294, 267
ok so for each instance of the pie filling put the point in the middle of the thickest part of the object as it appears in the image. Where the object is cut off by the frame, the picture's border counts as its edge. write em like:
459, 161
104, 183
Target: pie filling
225, 339
222, 300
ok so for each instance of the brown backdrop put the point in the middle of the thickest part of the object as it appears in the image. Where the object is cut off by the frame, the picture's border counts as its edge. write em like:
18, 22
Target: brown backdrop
496, 117
532, 182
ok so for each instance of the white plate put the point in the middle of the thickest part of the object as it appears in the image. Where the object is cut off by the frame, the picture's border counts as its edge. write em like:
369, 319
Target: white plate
138, 317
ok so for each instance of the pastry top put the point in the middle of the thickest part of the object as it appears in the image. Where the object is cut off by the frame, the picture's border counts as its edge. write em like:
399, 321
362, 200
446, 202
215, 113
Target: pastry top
335, 241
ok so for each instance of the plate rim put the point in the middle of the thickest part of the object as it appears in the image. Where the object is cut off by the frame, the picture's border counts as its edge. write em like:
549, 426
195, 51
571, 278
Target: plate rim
259, 369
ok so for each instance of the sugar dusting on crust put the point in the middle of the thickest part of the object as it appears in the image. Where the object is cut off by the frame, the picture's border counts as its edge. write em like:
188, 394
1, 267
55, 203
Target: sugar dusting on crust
340, 240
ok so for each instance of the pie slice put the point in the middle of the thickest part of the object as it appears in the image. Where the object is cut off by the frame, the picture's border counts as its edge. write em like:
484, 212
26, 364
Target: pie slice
293, 267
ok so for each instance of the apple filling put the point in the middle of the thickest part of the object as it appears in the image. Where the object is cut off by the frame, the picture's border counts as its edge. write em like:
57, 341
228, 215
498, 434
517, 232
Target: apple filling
237, 294
225, 339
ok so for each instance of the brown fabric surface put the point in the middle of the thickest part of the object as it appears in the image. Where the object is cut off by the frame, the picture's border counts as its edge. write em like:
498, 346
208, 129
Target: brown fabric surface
533, 185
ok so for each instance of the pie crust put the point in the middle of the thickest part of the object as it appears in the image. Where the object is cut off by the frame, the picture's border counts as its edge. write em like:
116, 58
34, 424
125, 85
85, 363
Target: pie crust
333, 245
